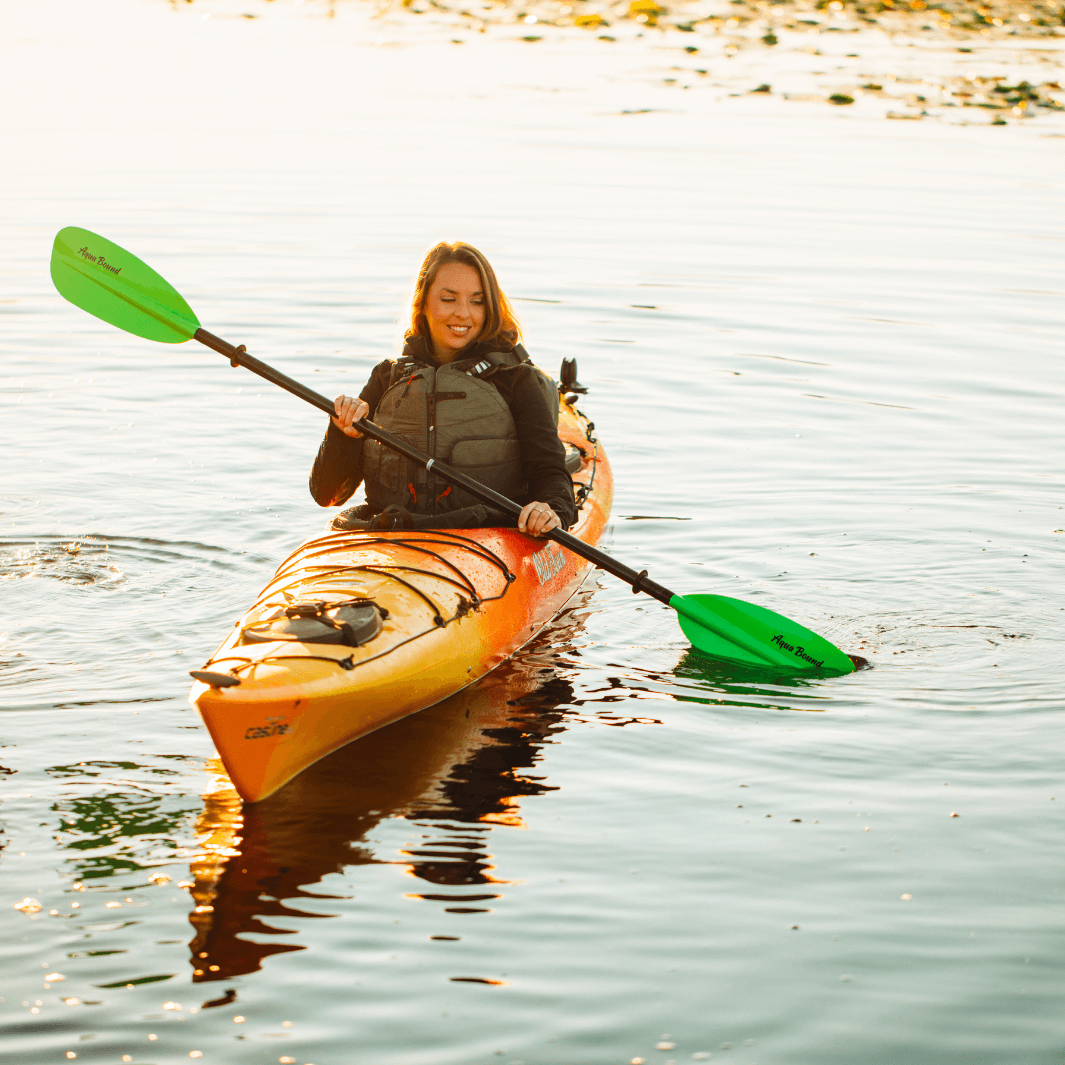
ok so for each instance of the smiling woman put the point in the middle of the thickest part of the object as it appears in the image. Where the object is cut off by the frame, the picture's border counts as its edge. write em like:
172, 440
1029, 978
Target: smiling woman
463, 391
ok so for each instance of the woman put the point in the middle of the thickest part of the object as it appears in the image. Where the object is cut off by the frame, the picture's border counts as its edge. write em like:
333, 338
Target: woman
463, 391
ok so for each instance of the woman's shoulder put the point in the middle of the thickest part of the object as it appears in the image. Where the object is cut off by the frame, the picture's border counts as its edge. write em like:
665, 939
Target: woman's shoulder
385, 370
528, 390
378, 382
528, 373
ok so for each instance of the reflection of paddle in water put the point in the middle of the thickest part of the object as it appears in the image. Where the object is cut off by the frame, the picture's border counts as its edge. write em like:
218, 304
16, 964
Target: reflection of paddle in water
457, 766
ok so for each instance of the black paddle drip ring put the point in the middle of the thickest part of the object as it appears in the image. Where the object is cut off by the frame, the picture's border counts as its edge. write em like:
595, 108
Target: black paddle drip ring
637, 585
243, 350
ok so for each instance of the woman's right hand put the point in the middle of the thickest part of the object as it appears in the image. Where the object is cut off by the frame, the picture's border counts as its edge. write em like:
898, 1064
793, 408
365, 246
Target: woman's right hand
349, 410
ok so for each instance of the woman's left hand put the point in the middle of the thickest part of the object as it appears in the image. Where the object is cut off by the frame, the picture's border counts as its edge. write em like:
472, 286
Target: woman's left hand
537, 519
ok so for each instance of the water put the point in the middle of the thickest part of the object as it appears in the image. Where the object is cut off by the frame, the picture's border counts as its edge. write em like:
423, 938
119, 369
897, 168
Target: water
823, 355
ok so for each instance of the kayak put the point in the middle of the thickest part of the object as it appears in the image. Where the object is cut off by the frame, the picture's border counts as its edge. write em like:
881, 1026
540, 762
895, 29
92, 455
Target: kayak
358, 629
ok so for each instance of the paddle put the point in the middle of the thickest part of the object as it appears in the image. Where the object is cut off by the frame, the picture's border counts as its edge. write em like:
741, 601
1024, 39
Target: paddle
110, 283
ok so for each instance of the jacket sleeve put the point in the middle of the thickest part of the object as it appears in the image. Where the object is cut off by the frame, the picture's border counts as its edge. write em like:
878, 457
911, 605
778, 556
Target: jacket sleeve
338, 466
542, 453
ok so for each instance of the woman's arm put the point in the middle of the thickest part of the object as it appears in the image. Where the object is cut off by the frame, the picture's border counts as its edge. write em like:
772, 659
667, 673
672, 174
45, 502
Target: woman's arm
542, 453
338, 466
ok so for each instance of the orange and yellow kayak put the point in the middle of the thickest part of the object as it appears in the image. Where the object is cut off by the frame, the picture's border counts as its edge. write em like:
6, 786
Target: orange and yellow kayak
360, 629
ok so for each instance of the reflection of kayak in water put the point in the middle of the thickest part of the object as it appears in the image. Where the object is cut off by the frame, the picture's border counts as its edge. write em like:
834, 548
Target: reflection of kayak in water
461, 762
360, 629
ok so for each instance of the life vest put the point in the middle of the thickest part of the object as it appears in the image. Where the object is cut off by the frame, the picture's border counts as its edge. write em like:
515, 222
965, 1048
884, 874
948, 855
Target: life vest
452, 413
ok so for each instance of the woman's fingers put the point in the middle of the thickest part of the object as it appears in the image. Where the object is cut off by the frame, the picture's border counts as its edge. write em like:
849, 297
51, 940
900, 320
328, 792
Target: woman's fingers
523, 517
537, 519
348, 410
341, 405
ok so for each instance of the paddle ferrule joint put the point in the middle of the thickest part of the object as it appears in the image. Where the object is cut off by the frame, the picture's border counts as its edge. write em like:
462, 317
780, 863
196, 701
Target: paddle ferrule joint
638, 584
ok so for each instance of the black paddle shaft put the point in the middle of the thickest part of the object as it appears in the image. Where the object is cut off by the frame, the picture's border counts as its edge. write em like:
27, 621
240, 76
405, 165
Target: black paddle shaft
239, 356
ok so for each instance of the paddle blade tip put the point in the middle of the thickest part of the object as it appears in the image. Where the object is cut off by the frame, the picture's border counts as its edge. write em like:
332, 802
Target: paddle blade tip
735, 631
115, 286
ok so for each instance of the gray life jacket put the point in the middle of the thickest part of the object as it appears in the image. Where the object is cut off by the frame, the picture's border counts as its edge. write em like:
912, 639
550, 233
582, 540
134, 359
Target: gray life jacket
452, 413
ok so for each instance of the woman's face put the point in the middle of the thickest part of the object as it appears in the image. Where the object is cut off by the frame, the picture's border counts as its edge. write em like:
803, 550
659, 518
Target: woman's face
454, 309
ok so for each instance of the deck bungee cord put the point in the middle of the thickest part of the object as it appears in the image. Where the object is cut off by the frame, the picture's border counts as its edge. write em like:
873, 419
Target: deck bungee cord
581, 490
311, 581
331, 541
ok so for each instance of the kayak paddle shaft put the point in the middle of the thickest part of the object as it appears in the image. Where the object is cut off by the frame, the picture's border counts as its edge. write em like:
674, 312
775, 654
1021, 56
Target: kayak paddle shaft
239, 357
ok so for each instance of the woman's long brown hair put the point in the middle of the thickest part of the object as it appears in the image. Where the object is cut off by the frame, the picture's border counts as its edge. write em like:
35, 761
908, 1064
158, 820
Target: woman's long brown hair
499, 321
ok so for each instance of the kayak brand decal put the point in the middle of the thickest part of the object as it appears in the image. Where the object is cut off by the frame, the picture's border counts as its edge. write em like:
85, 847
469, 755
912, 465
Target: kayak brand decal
274, 726
548, 562
99, 260
798, 652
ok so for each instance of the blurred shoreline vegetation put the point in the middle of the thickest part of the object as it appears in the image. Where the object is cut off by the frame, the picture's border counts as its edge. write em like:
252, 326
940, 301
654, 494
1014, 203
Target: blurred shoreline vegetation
762, 20
1009, 66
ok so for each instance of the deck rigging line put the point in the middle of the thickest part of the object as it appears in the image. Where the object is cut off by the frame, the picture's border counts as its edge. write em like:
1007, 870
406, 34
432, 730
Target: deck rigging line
293, 571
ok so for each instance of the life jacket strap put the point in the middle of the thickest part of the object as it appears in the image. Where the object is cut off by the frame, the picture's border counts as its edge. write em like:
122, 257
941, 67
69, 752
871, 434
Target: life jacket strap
402, 367
494, 361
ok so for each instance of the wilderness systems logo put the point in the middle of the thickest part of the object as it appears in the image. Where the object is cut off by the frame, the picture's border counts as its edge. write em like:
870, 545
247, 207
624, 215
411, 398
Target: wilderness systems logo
797, 651
99, 260
548, 562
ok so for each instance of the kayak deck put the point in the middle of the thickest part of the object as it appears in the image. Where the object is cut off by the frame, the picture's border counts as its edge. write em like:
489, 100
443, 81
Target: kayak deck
450, 606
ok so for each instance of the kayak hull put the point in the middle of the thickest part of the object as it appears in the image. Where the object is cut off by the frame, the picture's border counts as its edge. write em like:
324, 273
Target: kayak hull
456, 604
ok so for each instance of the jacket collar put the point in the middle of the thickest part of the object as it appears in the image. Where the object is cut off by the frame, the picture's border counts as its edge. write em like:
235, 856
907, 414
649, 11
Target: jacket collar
417, 348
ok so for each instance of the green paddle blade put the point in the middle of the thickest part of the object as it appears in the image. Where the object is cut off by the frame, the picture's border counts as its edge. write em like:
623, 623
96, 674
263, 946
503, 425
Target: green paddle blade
735, 631
109, 282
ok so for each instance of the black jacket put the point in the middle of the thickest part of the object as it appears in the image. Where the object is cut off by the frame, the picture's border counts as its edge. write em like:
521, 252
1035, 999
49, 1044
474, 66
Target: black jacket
338, 466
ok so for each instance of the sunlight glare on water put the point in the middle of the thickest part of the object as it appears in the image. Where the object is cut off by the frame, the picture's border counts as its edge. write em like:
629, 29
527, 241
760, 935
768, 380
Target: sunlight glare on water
823, 355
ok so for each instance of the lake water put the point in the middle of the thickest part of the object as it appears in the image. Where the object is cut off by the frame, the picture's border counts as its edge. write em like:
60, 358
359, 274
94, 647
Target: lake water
823, 352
